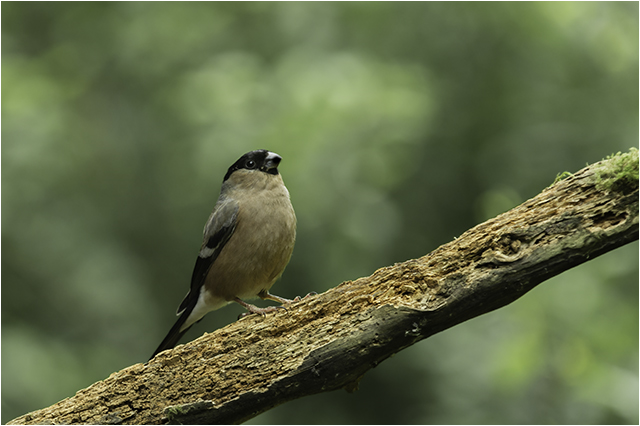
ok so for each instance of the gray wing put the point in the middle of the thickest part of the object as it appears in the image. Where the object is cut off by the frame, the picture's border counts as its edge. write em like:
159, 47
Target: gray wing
217, 231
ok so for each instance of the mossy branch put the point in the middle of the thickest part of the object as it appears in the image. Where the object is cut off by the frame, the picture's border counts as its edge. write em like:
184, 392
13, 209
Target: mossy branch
330, 341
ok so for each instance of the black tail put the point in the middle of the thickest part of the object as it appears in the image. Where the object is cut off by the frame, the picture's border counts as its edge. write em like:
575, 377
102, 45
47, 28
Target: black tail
175, 334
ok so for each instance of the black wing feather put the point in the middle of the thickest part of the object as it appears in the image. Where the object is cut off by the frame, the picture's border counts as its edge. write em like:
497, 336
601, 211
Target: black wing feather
203, 264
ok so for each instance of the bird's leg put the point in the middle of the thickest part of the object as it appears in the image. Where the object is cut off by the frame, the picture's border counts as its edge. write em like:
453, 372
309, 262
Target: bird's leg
254, 309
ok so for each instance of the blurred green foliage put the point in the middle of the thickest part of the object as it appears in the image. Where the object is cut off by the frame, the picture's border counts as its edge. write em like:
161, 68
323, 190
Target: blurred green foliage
401, 125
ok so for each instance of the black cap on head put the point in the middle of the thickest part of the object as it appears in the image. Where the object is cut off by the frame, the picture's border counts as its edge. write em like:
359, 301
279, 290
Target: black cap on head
261, 159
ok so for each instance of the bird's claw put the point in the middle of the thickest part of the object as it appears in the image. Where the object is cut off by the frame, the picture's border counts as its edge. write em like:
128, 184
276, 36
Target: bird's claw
298, 298
261, 311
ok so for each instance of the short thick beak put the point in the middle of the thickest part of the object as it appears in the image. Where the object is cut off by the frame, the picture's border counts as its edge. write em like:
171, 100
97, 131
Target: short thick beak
272, 161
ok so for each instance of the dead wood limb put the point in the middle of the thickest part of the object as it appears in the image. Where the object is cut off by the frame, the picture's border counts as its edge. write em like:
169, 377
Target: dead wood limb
331, 340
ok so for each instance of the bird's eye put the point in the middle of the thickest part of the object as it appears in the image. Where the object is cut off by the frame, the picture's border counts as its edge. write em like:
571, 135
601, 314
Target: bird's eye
250, 164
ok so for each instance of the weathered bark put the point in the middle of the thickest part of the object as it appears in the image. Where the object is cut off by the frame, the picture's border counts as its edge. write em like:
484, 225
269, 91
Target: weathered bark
329, 341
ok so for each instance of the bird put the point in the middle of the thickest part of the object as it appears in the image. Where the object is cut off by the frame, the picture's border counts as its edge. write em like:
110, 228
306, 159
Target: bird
247, 243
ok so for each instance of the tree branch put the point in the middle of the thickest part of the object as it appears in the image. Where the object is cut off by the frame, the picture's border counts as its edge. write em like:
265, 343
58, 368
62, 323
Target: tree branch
331, 340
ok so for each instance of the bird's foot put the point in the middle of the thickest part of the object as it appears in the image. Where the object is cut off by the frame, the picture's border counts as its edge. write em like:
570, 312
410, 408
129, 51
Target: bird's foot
298, 298
253, 309
267, 295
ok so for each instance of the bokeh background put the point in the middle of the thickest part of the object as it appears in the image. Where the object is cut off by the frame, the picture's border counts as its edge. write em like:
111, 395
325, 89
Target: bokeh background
401, 126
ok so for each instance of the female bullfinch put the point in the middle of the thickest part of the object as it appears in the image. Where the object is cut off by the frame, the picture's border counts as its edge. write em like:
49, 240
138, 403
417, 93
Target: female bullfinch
248, 241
